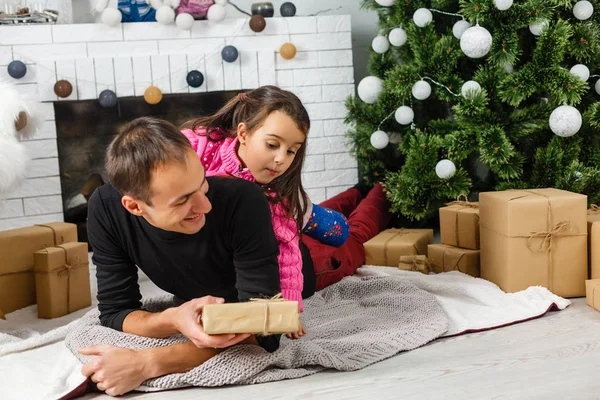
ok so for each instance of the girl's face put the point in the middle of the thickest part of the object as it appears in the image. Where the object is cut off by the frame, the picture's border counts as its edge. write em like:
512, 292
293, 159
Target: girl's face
269, 151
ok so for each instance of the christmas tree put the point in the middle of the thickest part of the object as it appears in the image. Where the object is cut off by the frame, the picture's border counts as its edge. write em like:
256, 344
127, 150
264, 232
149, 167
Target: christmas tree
466, 96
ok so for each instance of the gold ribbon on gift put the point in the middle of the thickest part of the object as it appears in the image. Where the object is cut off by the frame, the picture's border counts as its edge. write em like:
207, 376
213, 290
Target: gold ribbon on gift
462, 201
417, 263
593, 210
66, 270
277, 297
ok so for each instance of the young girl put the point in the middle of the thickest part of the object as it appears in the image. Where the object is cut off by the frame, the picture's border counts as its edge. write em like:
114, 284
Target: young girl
261, 136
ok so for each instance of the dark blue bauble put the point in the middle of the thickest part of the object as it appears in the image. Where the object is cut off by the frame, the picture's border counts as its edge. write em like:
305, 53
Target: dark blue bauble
287, 9
229, 53
17, 69
195, 79
107, 99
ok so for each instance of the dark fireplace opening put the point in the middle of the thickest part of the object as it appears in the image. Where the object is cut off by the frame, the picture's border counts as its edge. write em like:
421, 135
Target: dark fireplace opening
85, 129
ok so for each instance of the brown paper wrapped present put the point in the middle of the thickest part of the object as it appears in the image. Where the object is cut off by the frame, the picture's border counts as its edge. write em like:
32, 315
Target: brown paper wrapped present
444, 258
17, 283
593, 227
534, 237
459, 224
265, 317
62, 279
592, 293
388, 246
418, 263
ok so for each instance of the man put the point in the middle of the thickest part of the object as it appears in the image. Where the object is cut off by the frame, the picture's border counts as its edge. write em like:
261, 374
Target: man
194, 237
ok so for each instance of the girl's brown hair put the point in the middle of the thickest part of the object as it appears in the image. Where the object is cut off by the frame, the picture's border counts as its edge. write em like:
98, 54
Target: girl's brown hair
253, 108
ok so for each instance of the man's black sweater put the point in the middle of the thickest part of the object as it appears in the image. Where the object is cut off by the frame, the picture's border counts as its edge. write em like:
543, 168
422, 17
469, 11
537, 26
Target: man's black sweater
233, 256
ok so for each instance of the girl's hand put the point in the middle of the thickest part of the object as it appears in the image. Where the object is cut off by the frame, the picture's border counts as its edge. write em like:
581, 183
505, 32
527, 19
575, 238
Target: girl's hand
297, 335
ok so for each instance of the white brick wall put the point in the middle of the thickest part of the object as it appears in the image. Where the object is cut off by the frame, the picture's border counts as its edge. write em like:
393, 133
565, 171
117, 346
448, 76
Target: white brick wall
130, 57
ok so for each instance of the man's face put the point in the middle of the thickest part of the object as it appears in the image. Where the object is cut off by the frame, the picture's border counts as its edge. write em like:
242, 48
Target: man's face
179, 201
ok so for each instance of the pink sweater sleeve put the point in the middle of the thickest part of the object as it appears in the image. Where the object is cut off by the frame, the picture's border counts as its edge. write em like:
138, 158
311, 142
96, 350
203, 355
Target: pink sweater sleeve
198, 142
290, 258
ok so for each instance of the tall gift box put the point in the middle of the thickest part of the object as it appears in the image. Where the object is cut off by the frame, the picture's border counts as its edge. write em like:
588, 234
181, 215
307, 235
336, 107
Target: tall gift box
17, 283
62, 279
593, 225
534, 237
444, 258
592, 293
388, 246
459, 224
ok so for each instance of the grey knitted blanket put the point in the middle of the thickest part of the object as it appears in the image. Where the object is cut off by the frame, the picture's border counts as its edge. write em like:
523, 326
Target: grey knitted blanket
352, 324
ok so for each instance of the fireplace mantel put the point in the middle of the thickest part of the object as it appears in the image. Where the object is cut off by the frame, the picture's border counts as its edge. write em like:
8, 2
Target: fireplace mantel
130, 57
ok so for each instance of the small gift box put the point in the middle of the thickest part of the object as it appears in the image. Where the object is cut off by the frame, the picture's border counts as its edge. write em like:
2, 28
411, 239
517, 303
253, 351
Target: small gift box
444, 258
592, 293
459, 224
417, 263
388, 246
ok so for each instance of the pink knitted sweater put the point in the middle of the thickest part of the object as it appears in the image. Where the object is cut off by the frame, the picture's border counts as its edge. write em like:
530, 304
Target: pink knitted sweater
220, 158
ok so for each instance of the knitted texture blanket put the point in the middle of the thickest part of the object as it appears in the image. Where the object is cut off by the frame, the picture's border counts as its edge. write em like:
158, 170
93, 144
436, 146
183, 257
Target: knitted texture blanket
352, 324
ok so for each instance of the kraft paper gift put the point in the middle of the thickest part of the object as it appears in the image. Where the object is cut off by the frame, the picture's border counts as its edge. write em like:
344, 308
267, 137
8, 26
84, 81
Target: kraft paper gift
444, 258
388, 246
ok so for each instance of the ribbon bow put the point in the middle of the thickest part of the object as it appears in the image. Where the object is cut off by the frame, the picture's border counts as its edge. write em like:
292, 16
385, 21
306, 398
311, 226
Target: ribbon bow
417, 263
277, 297
548, 237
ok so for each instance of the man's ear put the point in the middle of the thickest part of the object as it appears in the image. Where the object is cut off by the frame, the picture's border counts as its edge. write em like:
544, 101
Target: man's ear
242, 132
132, 205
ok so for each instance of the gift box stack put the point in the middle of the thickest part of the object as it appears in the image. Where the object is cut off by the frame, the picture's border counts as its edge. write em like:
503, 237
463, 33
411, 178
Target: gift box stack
401, 248
534, 237
44, 264
459, 236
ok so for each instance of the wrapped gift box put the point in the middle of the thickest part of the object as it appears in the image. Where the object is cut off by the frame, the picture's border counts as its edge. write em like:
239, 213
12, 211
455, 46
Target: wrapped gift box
592, 293
444, 258
17, 282
593, 225
459, 225
62, 279
534, 237
388, 246
417, 263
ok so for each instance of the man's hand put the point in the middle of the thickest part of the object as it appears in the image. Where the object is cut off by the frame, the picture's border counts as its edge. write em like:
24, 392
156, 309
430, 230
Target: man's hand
186, 320
116, 370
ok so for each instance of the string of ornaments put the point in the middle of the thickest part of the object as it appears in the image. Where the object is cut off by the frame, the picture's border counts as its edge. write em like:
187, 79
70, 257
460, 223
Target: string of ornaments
475, 42
17, 69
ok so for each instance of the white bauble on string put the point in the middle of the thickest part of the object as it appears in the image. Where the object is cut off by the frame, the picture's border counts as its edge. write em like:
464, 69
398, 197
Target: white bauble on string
509, 69
385, 3
538, 27
583, 10
503, 5
470, 89
395, 138
165, 15
379, 139
445, 169
581, 71
421, 90
565, 121
476, 42
422, 17
184, 21
111, 17
369, 89
597, 86
397, 37
459, 28
216, 13
404, 115
380, 44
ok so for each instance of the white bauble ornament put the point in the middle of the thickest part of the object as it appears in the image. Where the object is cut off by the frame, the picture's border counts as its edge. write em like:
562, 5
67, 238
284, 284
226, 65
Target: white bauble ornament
369, 89
111, 17
165, 15
397, 37
583, 10
445, 169
221, 2
581, 71
379, 139
597, 86
470, 89
422, 17
13, 164
380, 44
503, 5
395, 138
216, 13
565, 121
385, 3
476, 42
538, 27
421, 90
509, 69
184, 21
404, 115
460, 27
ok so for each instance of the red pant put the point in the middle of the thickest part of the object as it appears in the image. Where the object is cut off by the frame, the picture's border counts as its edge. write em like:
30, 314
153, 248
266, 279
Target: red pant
366, 217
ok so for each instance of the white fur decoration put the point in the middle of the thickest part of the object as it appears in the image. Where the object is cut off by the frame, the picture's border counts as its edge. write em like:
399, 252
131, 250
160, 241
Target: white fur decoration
13, 164
11, 104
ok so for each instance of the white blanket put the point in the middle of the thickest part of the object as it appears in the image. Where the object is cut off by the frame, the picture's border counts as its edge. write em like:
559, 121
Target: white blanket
41, 367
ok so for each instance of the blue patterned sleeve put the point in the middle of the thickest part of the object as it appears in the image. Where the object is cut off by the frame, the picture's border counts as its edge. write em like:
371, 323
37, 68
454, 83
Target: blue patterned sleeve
327, 226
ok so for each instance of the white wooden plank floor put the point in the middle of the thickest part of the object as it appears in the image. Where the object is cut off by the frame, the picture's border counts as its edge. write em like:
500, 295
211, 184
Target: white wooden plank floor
554, 357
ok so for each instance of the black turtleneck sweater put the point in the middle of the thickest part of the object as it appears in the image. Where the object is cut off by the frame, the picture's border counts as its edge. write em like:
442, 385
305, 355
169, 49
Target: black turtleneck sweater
233, 256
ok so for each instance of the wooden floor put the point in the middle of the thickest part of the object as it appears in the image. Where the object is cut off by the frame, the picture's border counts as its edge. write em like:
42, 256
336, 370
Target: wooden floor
554, 357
